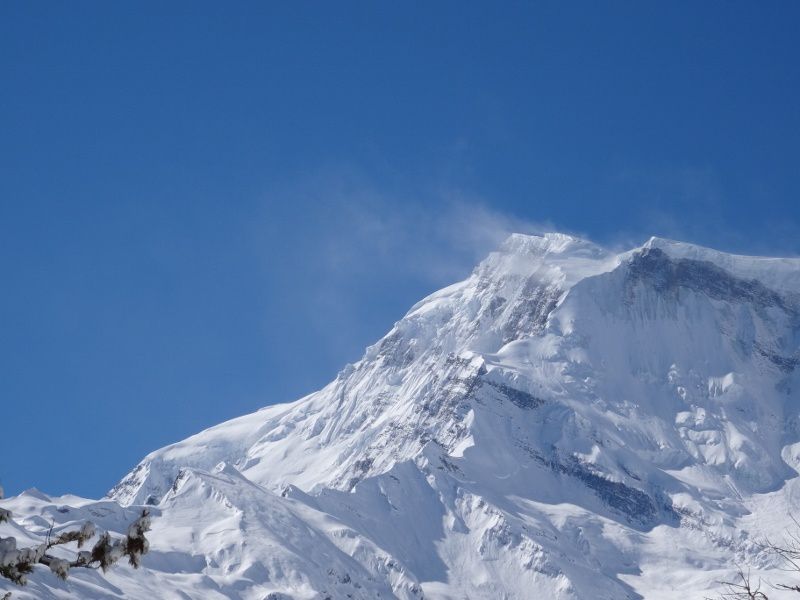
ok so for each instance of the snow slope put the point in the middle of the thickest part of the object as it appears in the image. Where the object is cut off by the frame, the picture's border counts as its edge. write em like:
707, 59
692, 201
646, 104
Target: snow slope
568, 422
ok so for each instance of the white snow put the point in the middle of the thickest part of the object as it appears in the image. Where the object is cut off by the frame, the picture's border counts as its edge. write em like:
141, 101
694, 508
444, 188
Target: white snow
568, 422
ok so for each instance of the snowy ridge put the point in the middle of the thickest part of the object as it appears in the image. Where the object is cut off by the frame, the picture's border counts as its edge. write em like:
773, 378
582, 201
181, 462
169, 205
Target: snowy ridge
782, 274
568, 420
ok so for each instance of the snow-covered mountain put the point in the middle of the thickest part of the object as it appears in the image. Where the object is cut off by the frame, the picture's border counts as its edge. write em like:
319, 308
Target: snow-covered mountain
568, 422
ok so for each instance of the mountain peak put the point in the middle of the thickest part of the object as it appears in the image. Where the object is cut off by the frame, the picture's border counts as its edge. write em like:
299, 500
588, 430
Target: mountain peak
547, 243
565, 411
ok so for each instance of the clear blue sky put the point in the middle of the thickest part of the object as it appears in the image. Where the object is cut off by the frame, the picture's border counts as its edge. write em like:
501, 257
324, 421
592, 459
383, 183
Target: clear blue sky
207, 207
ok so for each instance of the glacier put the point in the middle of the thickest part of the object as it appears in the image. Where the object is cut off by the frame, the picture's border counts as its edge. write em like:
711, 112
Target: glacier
569, 422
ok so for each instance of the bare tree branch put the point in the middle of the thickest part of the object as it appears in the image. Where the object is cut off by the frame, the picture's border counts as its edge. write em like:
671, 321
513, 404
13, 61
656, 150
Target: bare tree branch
742, 588
17, 563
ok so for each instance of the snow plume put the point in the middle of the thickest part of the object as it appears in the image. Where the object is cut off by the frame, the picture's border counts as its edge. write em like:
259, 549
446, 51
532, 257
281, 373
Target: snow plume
363, 246
436, 247
353, 226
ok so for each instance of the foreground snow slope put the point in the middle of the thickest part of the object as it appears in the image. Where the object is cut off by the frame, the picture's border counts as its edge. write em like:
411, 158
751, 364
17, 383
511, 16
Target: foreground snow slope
568, 422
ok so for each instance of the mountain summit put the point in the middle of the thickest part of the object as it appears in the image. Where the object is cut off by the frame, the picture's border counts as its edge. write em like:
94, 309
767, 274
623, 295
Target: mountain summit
568, 422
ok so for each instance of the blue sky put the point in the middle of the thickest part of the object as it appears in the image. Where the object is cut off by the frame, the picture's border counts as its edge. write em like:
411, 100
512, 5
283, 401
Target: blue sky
210, 207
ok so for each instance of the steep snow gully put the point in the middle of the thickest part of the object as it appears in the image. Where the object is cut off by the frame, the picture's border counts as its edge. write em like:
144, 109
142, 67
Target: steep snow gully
568, 422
